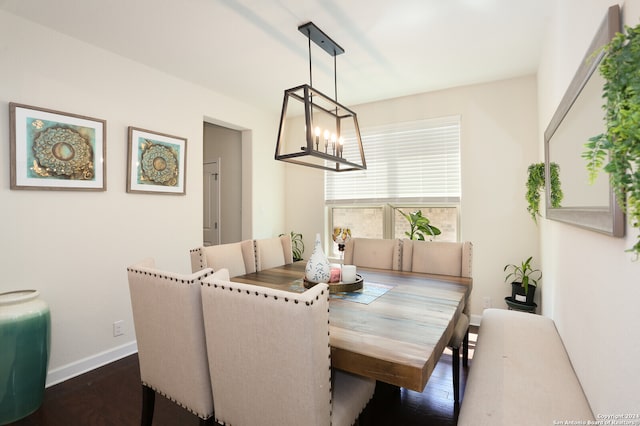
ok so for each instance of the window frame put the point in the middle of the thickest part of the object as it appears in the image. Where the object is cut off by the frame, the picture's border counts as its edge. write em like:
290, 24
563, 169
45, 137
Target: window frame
408, 199
388, 217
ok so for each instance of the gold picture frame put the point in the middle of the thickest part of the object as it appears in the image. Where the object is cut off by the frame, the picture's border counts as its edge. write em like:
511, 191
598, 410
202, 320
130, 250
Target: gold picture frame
157, 163
53, 150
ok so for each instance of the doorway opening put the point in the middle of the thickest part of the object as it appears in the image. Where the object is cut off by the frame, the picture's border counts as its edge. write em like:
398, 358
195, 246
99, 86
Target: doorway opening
222, 185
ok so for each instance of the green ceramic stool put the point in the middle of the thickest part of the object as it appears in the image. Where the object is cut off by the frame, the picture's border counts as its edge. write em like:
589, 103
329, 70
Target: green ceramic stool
25, 330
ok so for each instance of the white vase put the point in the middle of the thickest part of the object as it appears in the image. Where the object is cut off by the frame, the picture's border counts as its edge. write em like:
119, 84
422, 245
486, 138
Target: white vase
318, 269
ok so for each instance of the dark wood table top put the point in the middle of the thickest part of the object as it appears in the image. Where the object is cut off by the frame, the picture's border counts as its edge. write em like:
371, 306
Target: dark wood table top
399, 337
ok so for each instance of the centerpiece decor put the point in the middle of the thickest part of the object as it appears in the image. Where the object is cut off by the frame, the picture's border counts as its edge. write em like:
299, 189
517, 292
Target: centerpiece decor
340, 237
318, 269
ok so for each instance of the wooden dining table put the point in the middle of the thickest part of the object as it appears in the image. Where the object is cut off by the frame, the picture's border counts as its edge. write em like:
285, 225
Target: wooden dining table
396, 338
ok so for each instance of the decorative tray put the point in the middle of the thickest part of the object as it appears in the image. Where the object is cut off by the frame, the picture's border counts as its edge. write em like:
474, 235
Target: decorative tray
340, 286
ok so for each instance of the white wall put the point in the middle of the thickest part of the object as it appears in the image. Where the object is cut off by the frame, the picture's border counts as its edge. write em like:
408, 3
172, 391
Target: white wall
499, 141
591, 285
74, 246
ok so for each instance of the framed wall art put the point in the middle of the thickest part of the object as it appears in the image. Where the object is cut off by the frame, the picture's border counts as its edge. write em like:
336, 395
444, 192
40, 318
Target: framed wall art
53, 150
157, 162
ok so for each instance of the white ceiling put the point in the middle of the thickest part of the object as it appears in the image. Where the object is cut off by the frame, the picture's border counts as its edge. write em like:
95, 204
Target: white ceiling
252, 50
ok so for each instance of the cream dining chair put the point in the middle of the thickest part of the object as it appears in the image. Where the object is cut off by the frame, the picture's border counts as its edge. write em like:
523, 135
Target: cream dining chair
452, 259
270, 359
373, 253
167, 315
239, 258
272, 252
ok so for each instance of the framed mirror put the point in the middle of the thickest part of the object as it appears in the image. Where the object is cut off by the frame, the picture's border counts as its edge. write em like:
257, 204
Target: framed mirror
579, 117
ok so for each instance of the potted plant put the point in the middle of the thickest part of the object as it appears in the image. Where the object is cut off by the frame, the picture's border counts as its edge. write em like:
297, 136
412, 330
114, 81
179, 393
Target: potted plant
524, 280
420, 226
297, 246
536, 183
620, 143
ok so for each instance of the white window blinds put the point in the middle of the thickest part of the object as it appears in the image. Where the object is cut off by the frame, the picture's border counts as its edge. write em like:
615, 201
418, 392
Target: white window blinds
411, 161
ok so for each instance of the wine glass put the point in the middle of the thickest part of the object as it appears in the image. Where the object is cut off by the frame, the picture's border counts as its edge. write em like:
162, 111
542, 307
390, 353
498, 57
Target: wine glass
340, 237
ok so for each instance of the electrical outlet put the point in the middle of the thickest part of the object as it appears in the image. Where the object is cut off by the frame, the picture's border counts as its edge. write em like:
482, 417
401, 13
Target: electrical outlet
118, 328
487, 302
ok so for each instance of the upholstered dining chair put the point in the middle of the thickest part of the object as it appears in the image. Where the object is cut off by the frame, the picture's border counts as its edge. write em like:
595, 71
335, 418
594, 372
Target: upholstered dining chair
272, 252
167, 315
373, 253
445, 258
270, 360
239, 258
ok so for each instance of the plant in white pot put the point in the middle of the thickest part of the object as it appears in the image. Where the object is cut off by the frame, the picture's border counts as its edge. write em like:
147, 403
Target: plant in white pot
524, 280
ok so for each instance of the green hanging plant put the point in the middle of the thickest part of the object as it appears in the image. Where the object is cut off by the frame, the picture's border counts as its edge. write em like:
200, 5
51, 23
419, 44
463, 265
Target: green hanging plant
536, 184
620, 143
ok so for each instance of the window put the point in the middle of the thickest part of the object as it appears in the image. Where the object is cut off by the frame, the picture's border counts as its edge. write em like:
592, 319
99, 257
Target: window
411, 166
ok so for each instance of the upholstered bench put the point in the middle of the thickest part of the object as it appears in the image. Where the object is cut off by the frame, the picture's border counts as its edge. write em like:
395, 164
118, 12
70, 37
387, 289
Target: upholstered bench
521, 374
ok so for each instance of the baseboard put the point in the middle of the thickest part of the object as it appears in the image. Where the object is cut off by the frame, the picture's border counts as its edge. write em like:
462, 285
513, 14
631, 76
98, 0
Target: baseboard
74, 369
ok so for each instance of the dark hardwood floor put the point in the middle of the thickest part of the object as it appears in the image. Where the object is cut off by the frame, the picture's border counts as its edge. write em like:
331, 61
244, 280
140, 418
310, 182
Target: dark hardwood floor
112, 396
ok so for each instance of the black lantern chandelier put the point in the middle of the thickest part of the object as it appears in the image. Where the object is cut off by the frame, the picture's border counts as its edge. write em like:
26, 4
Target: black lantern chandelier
315, 128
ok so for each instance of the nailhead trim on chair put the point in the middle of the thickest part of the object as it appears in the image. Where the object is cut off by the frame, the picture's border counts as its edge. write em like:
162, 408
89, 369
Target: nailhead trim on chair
200, 255
202, 416
166, 277
286, 299
471, 260
183, 281
330, 375
255, 255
